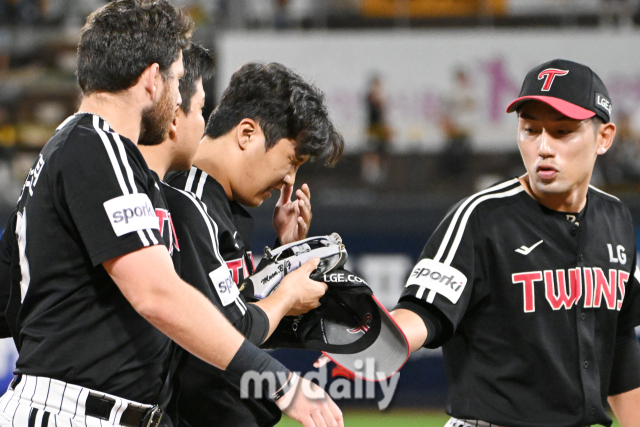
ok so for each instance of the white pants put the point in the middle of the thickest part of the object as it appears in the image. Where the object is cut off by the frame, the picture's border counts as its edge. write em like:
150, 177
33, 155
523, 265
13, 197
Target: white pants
454, 422
44, 402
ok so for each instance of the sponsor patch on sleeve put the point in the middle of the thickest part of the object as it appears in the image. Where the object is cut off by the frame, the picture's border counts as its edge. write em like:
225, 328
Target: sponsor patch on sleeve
132, 212
442, 279
224, 285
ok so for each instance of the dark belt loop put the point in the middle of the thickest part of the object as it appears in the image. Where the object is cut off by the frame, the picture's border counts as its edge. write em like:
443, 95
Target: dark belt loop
15, 381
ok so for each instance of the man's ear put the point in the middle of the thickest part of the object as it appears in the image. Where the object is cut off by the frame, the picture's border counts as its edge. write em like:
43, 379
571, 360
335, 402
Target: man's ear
246, 132
173, 126
605, 135
151, 81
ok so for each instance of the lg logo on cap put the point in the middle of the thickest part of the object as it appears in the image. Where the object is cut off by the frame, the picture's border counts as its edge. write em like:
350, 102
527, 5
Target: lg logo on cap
550, 74
603, 103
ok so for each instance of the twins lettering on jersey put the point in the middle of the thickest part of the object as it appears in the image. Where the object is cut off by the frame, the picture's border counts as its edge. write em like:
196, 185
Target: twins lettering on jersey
566, 288
238, 268
164, 218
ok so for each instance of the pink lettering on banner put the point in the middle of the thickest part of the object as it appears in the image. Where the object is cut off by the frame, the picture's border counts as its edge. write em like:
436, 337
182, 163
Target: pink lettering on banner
502, 88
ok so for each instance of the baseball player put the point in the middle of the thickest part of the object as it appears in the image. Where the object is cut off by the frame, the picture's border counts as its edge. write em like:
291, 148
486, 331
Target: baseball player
199, 248
530, 286
269, 122
95, 279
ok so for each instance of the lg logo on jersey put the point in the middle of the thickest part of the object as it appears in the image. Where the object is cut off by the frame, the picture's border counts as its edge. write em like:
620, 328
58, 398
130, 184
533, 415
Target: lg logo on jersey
566, 288
622, 257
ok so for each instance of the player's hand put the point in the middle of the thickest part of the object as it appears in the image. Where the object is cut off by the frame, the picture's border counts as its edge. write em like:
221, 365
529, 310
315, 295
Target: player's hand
292, 219
310, 405
302, 293
322, 360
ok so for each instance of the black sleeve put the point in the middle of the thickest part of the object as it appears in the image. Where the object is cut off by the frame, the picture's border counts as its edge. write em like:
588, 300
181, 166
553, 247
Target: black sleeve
436, 333
103, 182
630, 311
625, 370
254, 325
444, 276
7, 247
201, 264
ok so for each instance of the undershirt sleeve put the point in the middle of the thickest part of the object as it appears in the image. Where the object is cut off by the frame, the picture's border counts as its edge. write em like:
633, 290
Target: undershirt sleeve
254, 325
439, 330
625, 370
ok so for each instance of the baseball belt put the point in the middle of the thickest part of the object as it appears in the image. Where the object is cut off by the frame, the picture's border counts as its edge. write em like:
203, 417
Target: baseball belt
96, 404
100, 407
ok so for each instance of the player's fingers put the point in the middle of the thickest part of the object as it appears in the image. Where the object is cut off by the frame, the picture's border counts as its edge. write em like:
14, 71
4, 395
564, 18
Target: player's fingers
303, 197
307, 421
302, 228
307, 192
322, 361
317, 416
327, 413
305, 210
285, 194
337, 413
310, 265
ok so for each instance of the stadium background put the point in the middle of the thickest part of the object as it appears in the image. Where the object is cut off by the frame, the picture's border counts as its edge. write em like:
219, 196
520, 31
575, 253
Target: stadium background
417, 87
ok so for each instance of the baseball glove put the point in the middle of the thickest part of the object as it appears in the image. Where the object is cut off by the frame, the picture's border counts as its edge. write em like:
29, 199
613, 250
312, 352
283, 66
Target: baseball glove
281, 261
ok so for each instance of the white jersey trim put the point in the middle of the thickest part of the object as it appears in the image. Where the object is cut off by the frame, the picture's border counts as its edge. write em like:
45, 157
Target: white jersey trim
201, 182
602, 192
213, 232
461, 208
116, 168
465, 218
111, 154
190, 178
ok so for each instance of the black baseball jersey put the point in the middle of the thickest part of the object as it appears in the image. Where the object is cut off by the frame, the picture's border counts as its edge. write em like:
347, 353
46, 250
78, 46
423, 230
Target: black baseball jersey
90, 197
9, 275
215, 234
533, 301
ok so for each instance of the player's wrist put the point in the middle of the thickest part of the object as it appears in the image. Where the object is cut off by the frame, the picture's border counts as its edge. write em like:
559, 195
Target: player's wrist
250, 358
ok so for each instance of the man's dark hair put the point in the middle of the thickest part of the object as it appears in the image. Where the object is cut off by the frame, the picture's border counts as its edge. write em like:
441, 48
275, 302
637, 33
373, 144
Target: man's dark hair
284, 105
596, 122
121, 39
198, 62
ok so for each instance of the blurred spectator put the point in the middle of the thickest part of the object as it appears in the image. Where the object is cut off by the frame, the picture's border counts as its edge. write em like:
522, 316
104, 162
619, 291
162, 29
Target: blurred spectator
621, 164
280, 17
457, 122
374, 168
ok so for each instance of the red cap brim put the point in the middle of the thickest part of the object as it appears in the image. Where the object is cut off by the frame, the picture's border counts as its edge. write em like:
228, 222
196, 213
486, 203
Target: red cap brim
568, 109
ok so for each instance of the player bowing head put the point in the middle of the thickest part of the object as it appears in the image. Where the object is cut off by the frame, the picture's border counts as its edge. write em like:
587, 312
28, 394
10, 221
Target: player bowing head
529, 285
269, 122
561, 131
173, 149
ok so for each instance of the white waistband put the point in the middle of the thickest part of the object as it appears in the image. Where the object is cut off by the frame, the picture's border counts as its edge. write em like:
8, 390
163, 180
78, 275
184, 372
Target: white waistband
60, 398
455, 422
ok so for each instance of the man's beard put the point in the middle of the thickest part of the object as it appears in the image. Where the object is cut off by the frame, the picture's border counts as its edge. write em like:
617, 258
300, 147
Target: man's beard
156, 119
